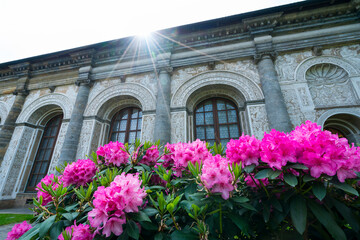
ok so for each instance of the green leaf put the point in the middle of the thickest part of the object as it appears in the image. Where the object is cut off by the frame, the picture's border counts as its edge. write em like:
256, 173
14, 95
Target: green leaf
158, 236
240, 222
274, 174
308, 178
181, 235
56, 229
132, 229
266, 212
150, 211
45, 226
290, 179
319, 190
240, 199
347, 214
299, 166
141, 216
149, 226
250, 168
276, 204
263, 174
327, 221
248, 206
347, 188
298, 211
31, 233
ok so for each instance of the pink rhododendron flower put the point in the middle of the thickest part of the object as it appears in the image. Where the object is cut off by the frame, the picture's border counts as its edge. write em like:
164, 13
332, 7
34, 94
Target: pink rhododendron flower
348, 166
246, 150
113, 153
124, 195
80, 232
255, 183
322, 152
189, 152
277, 148
79, 173
216, 176
151, 156
47, 180
18, 230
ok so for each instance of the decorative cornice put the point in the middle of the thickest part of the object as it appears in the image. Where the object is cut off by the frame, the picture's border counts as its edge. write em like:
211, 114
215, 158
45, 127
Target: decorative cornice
21, 69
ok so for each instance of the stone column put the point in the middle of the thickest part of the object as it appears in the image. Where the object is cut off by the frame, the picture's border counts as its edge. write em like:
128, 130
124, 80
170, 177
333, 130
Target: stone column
274, 100
162, 129
22, 72
71, 142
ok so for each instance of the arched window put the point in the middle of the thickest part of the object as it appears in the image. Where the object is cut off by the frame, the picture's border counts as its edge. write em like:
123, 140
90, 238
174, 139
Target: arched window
126, 125
44, 153
216, 120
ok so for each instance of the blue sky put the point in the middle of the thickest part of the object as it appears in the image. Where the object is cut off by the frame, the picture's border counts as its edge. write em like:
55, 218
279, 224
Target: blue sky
36, 27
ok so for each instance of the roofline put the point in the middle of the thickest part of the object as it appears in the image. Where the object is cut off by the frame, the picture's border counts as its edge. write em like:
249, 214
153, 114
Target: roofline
192, 27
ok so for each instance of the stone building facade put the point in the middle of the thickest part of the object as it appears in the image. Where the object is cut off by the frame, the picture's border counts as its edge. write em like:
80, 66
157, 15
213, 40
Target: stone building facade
275, 67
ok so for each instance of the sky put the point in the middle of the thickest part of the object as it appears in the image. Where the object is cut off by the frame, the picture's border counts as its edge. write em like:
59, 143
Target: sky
35, 27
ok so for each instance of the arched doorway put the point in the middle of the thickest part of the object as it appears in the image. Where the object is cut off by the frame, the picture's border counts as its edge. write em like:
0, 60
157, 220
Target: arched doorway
345, 125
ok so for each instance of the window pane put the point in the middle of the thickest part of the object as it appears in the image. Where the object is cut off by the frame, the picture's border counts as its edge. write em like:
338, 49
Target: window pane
210, 133
139, 124
132, 137
222, 117
209, 118
200, 119
200, 133
120, 137
229, 106
123, 125
224, 132
208, 106
51, 142
53, 131
200, 109
232, 116
44, 168
234, 131
135, 113
124, 115
133, 124
44, 143
47, 154
37, 167
224, 142
211, 142
220, 105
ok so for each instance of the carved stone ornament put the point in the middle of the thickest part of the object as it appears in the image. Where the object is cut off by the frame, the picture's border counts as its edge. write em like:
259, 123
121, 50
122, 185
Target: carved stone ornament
326, 74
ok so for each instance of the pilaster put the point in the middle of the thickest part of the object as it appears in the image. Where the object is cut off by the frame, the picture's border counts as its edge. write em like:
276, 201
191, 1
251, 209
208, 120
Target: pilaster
162, 129
22, 73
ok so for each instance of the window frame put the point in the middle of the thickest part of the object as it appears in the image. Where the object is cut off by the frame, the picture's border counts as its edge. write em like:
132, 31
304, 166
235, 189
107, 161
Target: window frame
128, 123
216, 122
43, 138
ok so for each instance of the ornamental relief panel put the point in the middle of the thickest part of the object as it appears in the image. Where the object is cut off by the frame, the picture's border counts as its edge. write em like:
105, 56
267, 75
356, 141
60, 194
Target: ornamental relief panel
3, 112
95, 137
292, 104
148, 127
350, 53
179, 76
148, 80
329, 85
178, 127
245, 67
285, 65
258, 120
85, 138
11, 151
17, 161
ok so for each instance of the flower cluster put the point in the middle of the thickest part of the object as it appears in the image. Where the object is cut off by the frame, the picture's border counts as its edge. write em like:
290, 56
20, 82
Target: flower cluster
151, 156
47, 180
195, 152
79, 232
18, 230
255, 183
113, 153
216, 176
245, 150
79, 173
124, 195
325, 153
277, 148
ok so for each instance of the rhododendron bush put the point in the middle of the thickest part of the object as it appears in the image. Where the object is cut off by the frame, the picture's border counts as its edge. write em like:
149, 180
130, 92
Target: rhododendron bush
297, 185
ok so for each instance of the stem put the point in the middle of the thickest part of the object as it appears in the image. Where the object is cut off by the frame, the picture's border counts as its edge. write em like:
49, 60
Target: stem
220, 215
175, 223
266, 191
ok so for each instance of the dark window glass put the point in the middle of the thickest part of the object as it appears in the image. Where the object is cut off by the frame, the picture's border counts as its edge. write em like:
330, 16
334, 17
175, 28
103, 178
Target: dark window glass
216, 120
126, 125
44, 153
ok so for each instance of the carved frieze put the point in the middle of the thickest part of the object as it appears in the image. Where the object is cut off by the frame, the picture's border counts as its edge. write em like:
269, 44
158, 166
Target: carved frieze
148, 127
258, 120
178, 127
